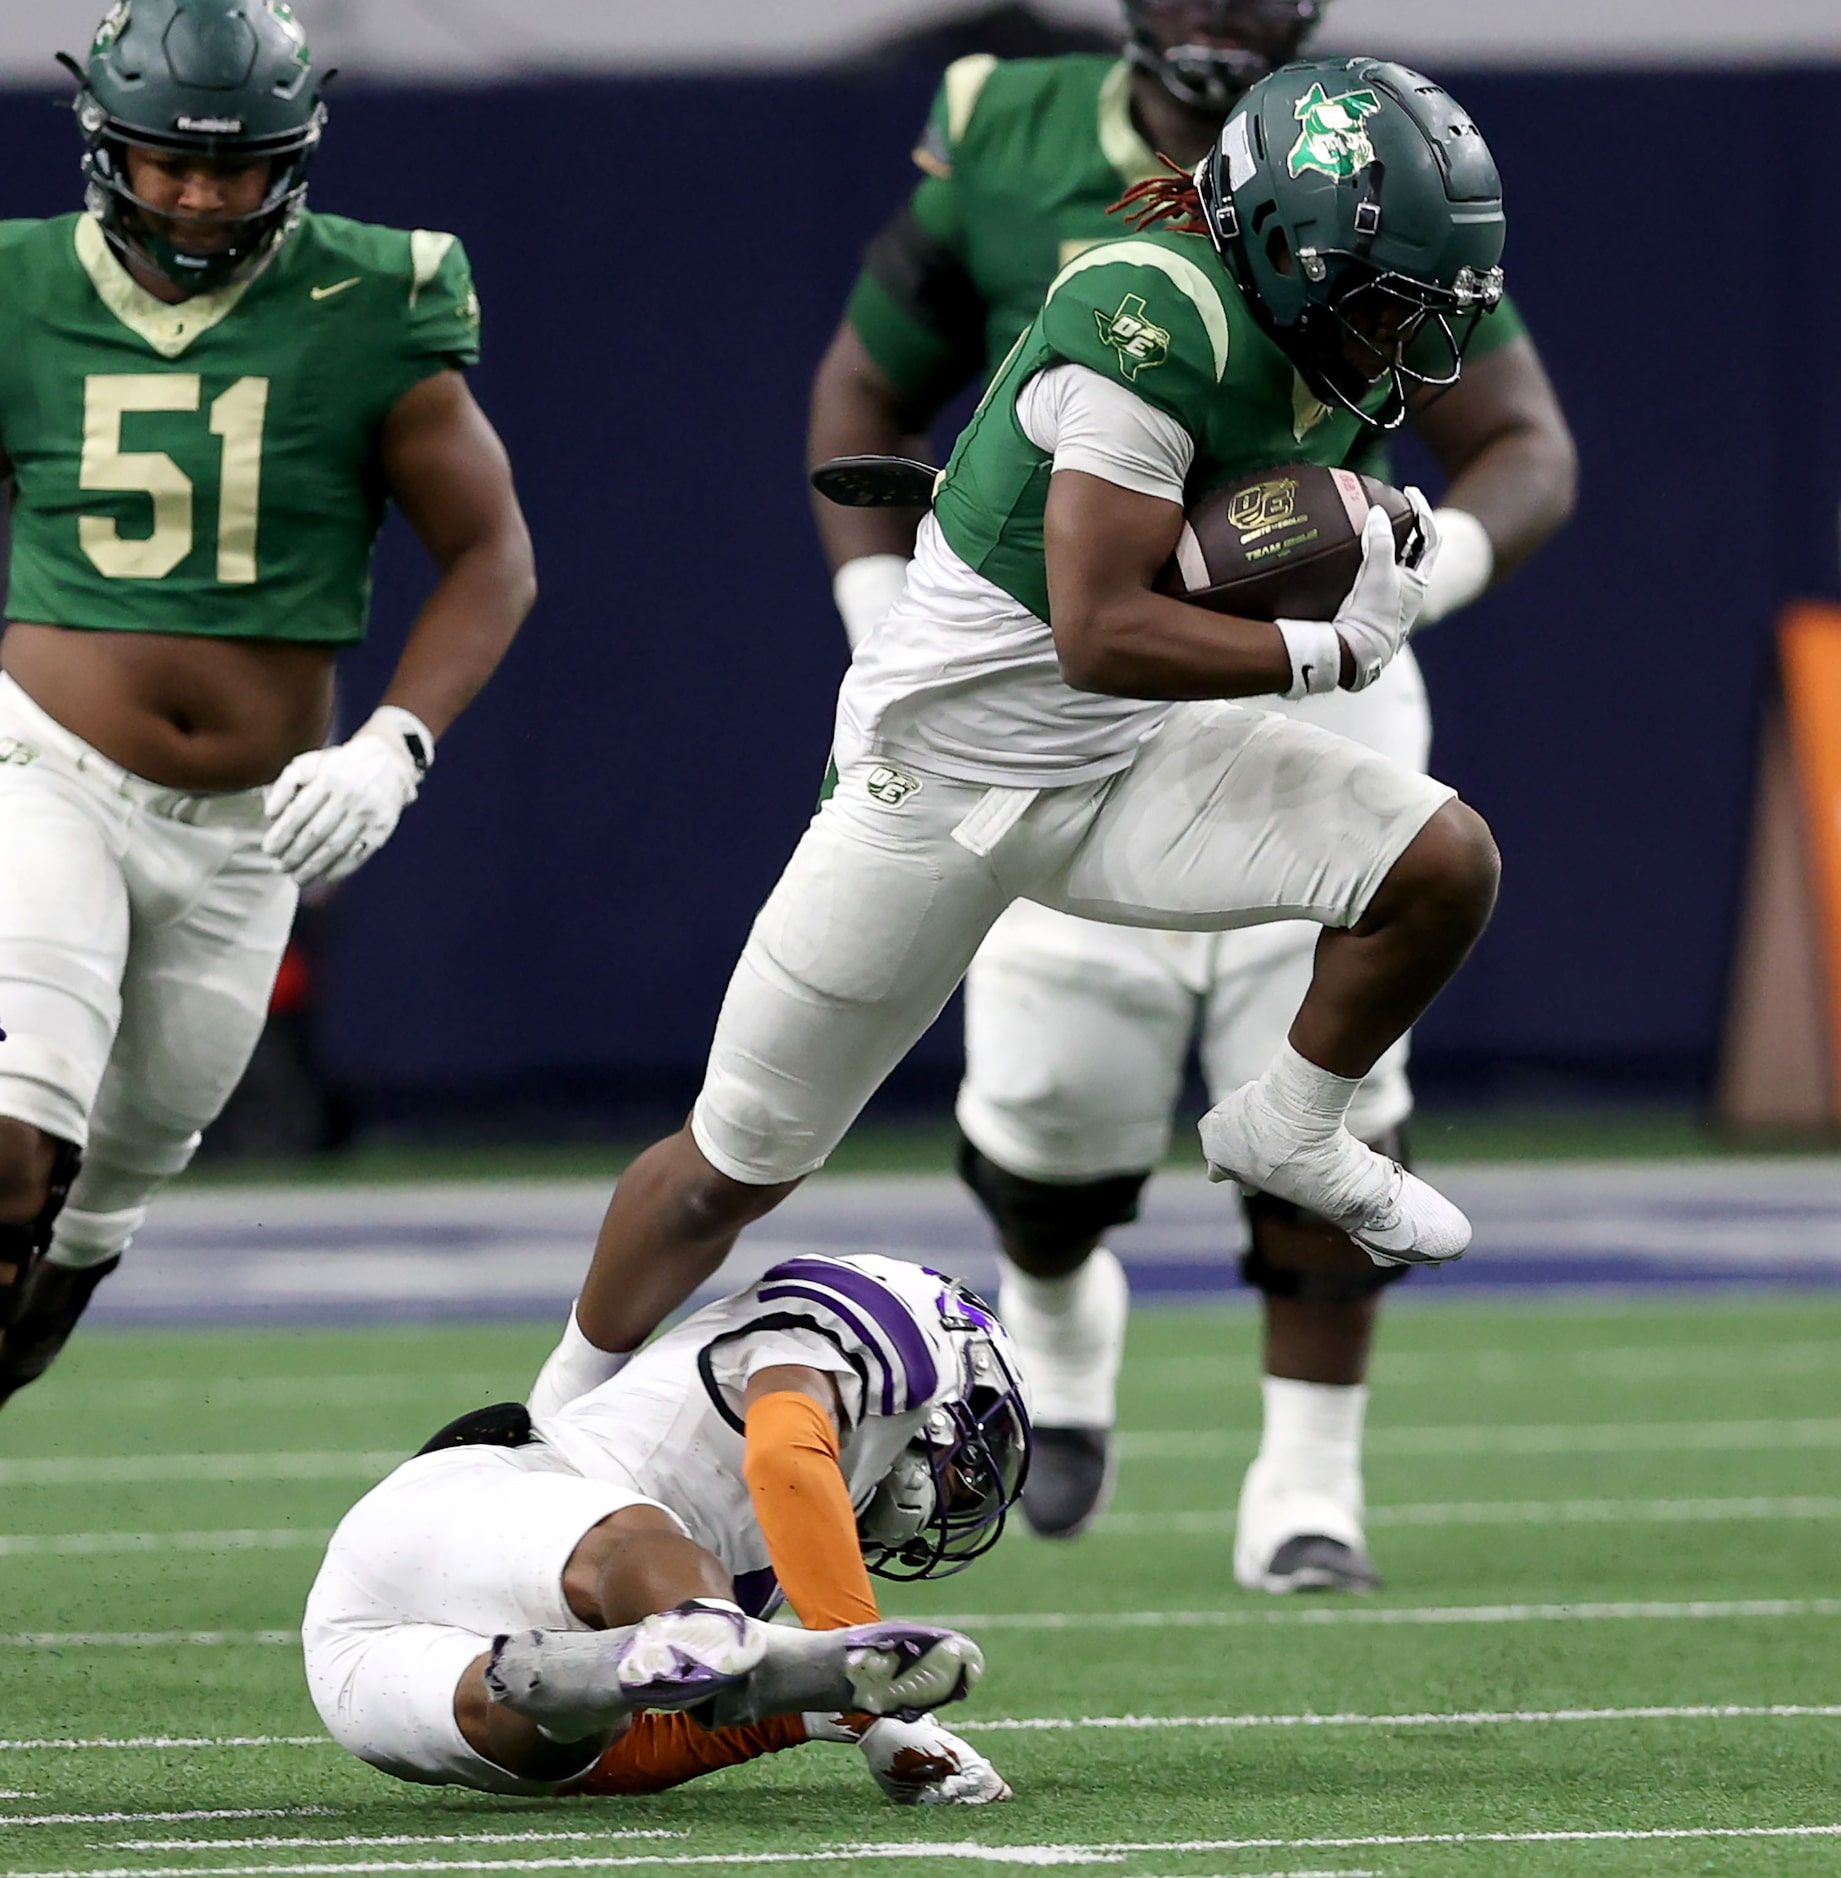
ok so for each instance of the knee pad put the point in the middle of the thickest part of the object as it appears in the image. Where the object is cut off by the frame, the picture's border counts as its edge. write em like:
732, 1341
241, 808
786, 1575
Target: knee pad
1317, 1287
23, 1245
1051, 1215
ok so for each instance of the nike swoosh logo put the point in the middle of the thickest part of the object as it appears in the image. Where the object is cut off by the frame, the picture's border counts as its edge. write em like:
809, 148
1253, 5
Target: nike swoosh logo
326, 293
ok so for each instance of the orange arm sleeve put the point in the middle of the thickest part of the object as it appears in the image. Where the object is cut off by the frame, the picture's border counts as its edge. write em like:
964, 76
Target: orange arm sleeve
804, 1512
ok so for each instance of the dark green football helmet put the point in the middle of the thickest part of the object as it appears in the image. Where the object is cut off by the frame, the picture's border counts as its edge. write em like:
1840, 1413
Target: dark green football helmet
1360, 211
218, 78
1205, 53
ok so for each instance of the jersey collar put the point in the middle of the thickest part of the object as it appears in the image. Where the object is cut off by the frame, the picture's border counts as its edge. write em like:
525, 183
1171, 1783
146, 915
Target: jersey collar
1120, 141
169, 330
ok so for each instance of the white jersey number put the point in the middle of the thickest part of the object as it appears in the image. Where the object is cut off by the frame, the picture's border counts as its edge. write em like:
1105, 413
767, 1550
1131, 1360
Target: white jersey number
237, 418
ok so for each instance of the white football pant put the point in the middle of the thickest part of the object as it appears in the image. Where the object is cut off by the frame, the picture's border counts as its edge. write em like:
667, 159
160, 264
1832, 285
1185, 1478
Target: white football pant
450, 1551
1077, 1034
140, 932
1227, 818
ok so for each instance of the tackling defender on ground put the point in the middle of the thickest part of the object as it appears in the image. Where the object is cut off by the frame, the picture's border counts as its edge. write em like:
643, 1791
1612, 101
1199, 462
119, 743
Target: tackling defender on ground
207, 396
498, 1612
1019, 728
1077, 1034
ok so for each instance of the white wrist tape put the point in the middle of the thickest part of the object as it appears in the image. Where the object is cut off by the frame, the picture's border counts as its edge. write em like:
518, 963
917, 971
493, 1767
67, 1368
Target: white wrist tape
865, 589
391, 720
1315, 649
1464, 566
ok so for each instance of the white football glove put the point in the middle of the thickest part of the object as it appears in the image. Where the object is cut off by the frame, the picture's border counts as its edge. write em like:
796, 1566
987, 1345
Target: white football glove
865, 589
916, 1763
1466, 566
1376, 614
331, 810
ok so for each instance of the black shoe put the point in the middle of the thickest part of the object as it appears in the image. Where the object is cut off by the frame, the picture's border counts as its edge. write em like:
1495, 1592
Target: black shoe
55, 1296
1070, 1478
1311, 1562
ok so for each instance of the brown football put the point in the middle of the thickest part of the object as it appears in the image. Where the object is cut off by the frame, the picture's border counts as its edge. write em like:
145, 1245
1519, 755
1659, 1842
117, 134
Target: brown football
1285, 543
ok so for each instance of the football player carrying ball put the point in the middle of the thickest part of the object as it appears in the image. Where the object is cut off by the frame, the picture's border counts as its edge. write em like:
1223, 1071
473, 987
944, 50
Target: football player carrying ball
1077, 1034
1035, 720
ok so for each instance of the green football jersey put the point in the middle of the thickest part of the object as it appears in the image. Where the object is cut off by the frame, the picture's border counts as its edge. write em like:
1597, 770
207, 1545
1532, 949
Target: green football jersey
1023, 158
1159, 313
211, 468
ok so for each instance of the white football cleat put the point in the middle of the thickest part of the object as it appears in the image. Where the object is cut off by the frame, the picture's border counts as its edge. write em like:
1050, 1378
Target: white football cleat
1394, 1216
1289, 1537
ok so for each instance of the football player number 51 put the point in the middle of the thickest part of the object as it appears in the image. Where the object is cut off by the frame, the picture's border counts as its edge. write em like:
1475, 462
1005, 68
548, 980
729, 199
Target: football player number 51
236, 417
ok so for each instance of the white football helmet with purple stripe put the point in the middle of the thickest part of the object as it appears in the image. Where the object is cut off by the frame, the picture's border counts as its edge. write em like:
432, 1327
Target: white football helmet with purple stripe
946, 1499
925, 1346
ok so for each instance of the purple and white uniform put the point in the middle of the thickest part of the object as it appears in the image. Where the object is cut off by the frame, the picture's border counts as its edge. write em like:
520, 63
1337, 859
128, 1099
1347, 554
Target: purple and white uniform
462, 1545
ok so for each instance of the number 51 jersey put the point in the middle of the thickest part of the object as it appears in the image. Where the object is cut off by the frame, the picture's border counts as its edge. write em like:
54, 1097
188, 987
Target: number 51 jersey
211, 468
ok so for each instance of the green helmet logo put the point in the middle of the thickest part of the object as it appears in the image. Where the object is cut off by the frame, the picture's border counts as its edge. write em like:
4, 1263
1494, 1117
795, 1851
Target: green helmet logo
1332, 139
111, 28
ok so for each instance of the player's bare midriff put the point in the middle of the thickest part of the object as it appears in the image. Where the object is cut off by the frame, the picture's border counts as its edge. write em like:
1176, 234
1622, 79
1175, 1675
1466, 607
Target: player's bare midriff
189, 713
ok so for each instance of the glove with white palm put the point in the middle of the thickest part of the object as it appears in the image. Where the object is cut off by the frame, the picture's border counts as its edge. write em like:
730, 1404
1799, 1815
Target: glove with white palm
916, 1763
1376, 614
330, 810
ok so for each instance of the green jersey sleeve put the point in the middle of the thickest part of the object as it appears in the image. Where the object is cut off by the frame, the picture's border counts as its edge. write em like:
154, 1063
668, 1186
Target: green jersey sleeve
915, 305
441, 330
1147, 316
1497, 330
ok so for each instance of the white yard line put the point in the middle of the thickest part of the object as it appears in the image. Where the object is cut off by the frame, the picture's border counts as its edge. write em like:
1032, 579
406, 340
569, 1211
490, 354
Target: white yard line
10, 1820
382, 1839
235, 1539
1331, 1616
1254, 1617
1104, 1853
1476, 1718
134, 1470
203, 1395
142, 1639
1166, 1445
1119, 1525
1062, 1724
1190, 1444
1623, 1363
1505, 1513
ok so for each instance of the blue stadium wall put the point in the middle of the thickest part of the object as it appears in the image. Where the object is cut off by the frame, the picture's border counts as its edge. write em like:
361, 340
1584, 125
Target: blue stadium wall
661, 264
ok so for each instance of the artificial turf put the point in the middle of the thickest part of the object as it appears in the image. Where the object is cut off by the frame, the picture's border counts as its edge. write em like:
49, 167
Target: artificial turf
1582, 1506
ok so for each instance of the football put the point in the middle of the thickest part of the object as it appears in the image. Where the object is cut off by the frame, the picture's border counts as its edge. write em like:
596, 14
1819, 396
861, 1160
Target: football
1285, 543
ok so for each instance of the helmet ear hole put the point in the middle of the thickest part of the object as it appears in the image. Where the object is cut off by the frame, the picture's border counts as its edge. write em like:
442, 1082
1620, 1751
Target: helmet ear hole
1278, 253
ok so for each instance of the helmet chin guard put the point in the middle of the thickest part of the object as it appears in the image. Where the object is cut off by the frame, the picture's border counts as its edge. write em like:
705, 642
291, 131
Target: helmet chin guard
946, 1499
227, 80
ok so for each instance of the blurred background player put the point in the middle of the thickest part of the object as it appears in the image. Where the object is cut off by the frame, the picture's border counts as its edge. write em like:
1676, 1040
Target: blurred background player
838, 1410
994, 743
1077, 1034
207, 396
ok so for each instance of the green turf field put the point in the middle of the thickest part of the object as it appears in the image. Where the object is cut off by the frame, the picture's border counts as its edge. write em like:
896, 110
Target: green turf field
1611, 1643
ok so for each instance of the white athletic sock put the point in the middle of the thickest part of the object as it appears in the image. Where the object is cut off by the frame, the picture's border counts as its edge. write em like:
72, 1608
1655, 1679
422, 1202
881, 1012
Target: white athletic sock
1311, 1102
1070, 1333
81, 1239
1313, 1432
573, 1368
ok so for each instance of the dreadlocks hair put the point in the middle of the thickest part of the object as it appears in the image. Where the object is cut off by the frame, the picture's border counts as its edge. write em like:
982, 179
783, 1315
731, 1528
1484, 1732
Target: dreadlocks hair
1169, 200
